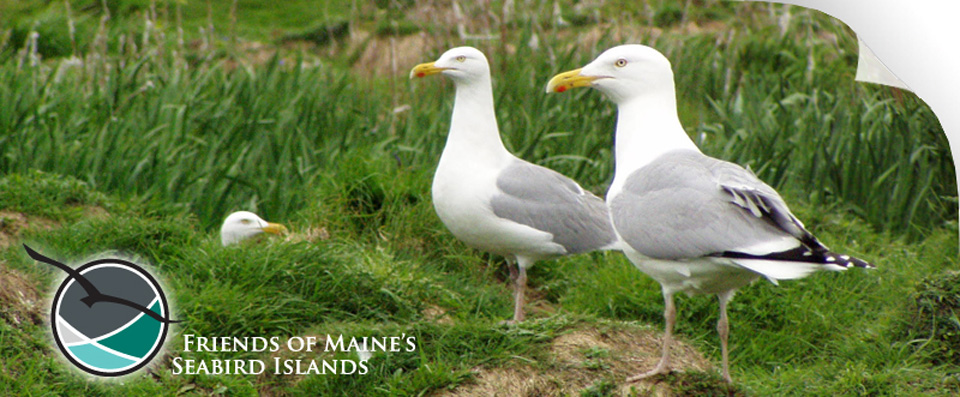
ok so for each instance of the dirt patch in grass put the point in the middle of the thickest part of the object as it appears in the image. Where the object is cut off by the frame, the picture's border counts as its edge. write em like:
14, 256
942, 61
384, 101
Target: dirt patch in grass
13, 223
523, 381
394, 56
592, 361
94, 212
436, 314
438, 13
20, 300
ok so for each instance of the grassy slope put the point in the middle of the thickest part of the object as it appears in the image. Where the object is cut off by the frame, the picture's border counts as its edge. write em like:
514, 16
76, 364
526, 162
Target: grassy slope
389, 263
828, 334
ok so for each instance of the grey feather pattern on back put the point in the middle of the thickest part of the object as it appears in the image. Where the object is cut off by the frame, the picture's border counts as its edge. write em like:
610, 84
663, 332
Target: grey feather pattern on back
545, 200
687, 205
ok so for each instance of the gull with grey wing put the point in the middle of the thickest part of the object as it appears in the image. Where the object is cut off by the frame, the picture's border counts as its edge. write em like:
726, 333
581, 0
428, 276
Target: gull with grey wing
492, 200
693, 223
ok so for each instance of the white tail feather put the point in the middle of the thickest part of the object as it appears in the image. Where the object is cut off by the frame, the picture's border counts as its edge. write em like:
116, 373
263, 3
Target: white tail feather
783, 270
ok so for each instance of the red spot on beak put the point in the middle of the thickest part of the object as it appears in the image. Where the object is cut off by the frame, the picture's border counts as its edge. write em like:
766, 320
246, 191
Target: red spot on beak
561, 88
421, 74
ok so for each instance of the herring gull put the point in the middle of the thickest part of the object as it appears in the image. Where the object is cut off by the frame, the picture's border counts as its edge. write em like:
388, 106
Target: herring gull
693, 223
492, 200
242, 225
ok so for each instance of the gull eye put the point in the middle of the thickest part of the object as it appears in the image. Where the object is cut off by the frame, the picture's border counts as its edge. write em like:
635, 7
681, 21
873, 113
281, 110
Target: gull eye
461, 58
245, 221
621, 63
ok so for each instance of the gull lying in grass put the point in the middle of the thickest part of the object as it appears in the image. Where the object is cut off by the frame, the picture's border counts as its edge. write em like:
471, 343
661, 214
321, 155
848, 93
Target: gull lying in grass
242, 225
496, 202
693, 223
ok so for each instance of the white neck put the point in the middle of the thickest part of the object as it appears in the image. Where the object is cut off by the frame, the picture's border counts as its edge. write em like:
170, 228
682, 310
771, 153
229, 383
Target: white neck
473, 127
647, 127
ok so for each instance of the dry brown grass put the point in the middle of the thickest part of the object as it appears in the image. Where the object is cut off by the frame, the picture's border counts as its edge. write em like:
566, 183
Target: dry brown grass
13, 223
311, 234
436, 314
20, 301
581, 358
394, 56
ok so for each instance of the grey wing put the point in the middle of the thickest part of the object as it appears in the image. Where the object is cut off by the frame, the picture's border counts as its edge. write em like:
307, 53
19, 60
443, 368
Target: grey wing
545, 200
687, 205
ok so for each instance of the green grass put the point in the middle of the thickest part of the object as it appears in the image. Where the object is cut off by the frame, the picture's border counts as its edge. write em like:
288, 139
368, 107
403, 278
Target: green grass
830, 333
54, 198
212, 138
162, 141
248, 20
936, 303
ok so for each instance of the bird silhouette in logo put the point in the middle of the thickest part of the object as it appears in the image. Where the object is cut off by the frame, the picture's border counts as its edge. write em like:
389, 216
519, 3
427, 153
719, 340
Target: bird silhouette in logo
94, 295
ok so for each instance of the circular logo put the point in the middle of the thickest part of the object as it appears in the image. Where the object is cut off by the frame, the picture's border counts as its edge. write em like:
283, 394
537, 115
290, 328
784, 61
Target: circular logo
109, 317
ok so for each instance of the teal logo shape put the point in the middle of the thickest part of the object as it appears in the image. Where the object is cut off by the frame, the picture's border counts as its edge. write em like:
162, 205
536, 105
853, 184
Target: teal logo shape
109, 316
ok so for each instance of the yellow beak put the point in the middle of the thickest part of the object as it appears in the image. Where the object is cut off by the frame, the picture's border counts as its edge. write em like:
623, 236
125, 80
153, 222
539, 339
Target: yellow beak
274, 228
567, 80
425, 69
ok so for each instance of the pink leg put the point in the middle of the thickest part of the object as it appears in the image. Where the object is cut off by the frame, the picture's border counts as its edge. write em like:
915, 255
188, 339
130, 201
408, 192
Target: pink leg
520, 286
723, 328
669, 315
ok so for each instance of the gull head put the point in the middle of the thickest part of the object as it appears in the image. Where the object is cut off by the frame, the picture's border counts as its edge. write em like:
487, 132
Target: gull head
242, 225
461, 64
621, 73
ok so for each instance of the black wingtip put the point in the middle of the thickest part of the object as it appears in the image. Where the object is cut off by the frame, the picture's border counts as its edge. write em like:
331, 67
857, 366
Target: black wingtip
846, 261
805, 254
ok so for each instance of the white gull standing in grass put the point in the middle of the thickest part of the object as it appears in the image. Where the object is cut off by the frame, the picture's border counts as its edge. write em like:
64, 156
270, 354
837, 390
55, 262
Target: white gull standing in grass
242, 225
496, 202
693, 223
